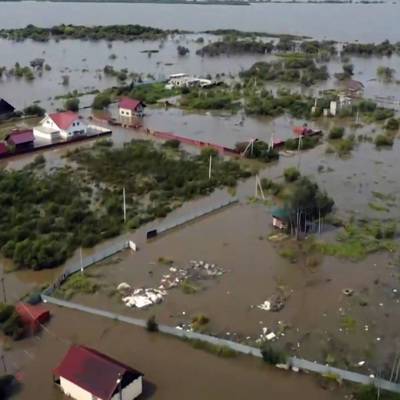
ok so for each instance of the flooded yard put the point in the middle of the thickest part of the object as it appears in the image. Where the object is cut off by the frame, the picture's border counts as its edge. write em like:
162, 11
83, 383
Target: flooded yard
171, 367
314, 320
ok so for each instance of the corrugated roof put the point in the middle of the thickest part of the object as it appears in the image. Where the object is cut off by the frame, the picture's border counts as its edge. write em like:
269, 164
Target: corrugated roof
20, 137
30, 313
129, 104
93, 371
64, 119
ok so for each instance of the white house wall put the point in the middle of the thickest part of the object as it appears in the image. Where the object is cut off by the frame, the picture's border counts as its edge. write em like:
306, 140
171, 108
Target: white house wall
131, 391
74, 391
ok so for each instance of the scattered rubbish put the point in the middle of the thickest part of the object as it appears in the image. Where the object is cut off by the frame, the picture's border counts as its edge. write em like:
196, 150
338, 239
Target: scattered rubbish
266, 306
378, 339
266, 336
295, 369
274, 304
361, 363
282, 366
144, 297
348, 292
123, 286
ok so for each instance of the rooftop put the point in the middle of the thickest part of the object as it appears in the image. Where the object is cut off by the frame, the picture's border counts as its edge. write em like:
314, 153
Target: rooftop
20, 136
64, 119
93, 371
129, 104
5, 107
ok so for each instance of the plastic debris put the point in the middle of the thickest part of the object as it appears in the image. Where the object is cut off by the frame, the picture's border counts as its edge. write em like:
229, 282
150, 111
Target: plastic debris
123, 286
348, 292
361, 363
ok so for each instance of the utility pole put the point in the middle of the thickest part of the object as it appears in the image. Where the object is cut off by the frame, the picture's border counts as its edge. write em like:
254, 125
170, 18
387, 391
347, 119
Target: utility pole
4, 363
298, 152
4, 290
124, 203
209, 168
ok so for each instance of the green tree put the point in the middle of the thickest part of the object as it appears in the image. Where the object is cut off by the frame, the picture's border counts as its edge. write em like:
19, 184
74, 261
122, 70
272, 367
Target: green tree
72, 104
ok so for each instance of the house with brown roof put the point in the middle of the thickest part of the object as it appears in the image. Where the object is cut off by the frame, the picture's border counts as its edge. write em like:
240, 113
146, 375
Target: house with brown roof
130, 107
86, 374
354, 88
20, 139
64, 125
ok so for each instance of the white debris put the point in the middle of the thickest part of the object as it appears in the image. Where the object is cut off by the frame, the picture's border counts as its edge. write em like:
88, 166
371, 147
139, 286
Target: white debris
142, 298
123, 286
295, 369
282, 366
361, 363
266, 306
172, 269
270, 336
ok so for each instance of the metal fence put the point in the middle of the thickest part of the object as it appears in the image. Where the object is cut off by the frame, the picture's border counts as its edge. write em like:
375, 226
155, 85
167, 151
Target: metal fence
190, 217
86, 262
237, 347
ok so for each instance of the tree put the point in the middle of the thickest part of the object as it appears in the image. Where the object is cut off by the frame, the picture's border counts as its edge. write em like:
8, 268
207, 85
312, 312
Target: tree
34, 110
101, 101
72, 104
392, 124
291, 174
336, 133
385, 73
348, 69
182, 50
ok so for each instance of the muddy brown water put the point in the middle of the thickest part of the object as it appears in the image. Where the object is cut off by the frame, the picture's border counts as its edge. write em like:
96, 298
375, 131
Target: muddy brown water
173, 370
235, 239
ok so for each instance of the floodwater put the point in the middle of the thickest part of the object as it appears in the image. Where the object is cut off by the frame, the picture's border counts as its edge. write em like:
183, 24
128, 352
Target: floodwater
373, 22
86, 61
172, 369
235, 239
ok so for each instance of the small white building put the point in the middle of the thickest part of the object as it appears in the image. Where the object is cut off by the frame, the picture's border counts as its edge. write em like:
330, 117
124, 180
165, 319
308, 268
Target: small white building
86, 374
65, 125
184, 80
130, 107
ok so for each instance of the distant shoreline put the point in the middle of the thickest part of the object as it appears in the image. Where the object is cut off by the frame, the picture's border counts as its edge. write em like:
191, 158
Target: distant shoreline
212, 2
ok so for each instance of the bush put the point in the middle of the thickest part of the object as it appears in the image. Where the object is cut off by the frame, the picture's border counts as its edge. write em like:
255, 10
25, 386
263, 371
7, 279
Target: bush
101, 101
173, 144
336, 132
13, 326
392, 124
34, 110
291, 174
7, 383
151, 324
272, 355
383, 141
72, 104
6, 310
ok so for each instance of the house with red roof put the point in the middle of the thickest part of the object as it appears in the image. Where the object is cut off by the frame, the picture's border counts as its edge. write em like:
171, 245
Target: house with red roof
64, 125
20, 139
86, 374
32, 316
130, 107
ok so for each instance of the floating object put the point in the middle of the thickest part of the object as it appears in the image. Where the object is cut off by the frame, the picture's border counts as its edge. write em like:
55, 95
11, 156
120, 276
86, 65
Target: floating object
347, 291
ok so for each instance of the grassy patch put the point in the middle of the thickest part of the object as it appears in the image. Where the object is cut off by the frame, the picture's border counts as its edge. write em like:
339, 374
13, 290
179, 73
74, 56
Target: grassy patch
348, 323
77, 283
188, 287
377, 207
220, 351
356, 241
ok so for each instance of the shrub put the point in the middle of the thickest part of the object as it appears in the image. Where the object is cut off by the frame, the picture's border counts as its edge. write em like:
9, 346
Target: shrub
34, 110
291, 174
151, 324
13, 326
272, 355
6, 311
101, 101
392, 124
336, 133
173, 143
72, 104
383, 141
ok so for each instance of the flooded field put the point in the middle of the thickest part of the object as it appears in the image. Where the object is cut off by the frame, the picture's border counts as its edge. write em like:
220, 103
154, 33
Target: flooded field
85, 70
171, 368
311, 323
